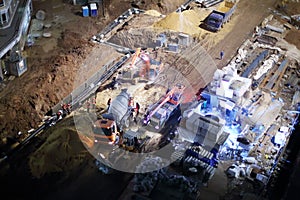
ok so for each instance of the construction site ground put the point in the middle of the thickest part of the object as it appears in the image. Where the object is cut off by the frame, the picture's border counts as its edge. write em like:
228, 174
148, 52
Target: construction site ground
56, 164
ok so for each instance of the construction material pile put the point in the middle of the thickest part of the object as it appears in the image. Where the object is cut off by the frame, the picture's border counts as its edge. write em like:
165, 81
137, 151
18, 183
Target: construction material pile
145, 182
154, 13
57, 156
187, 21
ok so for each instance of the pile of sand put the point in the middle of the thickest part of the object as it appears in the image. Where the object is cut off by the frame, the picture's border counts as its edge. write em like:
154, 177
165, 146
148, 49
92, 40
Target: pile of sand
154, 13
187, 22
61, 152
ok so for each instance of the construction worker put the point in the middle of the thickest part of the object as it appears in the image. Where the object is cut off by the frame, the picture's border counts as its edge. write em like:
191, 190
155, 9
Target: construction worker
108, 103
117, 138
60, 114
114, 84
137, 111
131, 101
68, 108
221, 55
135, 108
88, 105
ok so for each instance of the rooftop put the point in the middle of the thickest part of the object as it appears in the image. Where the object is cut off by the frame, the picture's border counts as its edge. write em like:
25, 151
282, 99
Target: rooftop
11, 35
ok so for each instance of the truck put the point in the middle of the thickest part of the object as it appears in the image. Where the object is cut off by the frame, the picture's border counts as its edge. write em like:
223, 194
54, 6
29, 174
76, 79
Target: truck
220, 16
119, 115
159, 113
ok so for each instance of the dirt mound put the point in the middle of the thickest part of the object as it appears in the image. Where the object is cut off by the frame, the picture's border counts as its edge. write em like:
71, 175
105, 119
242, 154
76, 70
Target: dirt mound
187, 22
57, 156
134, 38
163, 6
42, 89
293, 37
154, 13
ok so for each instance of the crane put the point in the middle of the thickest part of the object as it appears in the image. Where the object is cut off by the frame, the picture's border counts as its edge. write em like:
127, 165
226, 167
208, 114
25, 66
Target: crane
135, 56
165, 108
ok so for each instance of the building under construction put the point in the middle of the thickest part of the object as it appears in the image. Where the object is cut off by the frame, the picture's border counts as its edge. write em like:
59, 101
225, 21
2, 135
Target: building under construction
15, 18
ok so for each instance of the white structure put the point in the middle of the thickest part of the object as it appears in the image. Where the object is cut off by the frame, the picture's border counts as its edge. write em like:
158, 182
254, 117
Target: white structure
15, 17
183, 39
230, 85
205, 129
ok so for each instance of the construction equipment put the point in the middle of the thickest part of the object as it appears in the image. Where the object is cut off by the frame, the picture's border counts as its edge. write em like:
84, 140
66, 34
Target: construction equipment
140, 67
134, 140
159, 113
105, 131
217, 18
120, 112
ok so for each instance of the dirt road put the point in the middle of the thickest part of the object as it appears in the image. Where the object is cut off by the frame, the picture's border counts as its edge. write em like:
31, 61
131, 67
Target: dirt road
249, 14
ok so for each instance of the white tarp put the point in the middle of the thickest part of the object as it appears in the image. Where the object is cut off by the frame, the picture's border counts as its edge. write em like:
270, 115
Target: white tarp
280, 138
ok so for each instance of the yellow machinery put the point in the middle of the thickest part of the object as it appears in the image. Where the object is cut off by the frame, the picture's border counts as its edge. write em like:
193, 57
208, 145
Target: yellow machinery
134, 140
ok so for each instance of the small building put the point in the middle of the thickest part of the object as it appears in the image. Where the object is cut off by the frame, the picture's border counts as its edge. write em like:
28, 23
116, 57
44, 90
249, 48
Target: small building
183, 39
93, 9
15, 16
85, 11
16, 64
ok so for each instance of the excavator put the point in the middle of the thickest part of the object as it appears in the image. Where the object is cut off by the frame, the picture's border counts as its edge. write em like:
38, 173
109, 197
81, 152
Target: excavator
140, 68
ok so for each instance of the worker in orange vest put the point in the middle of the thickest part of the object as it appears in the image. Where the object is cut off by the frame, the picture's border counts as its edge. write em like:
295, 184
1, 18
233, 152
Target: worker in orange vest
135, 108
88, 105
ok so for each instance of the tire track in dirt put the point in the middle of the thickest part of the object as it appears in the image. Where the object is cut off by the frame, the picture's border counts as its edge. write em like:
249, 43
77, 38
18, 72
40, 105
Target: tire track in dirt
249, 15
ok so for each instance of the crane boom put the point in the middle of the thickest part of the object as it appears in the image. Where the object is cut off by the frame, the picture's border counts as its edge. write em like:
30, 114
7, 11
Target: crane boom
166, 99
136, 54
170, 93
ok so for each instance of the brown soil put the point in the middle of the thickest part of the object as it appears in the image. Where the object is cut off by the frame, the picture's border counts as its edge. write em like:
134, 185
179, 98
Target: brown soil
53, 66
293, 37
53, 63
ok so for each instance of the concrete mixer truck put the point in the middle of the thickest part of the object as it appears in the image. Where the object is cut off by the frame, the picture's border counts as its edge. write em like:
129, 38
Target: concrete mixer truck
121, 112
